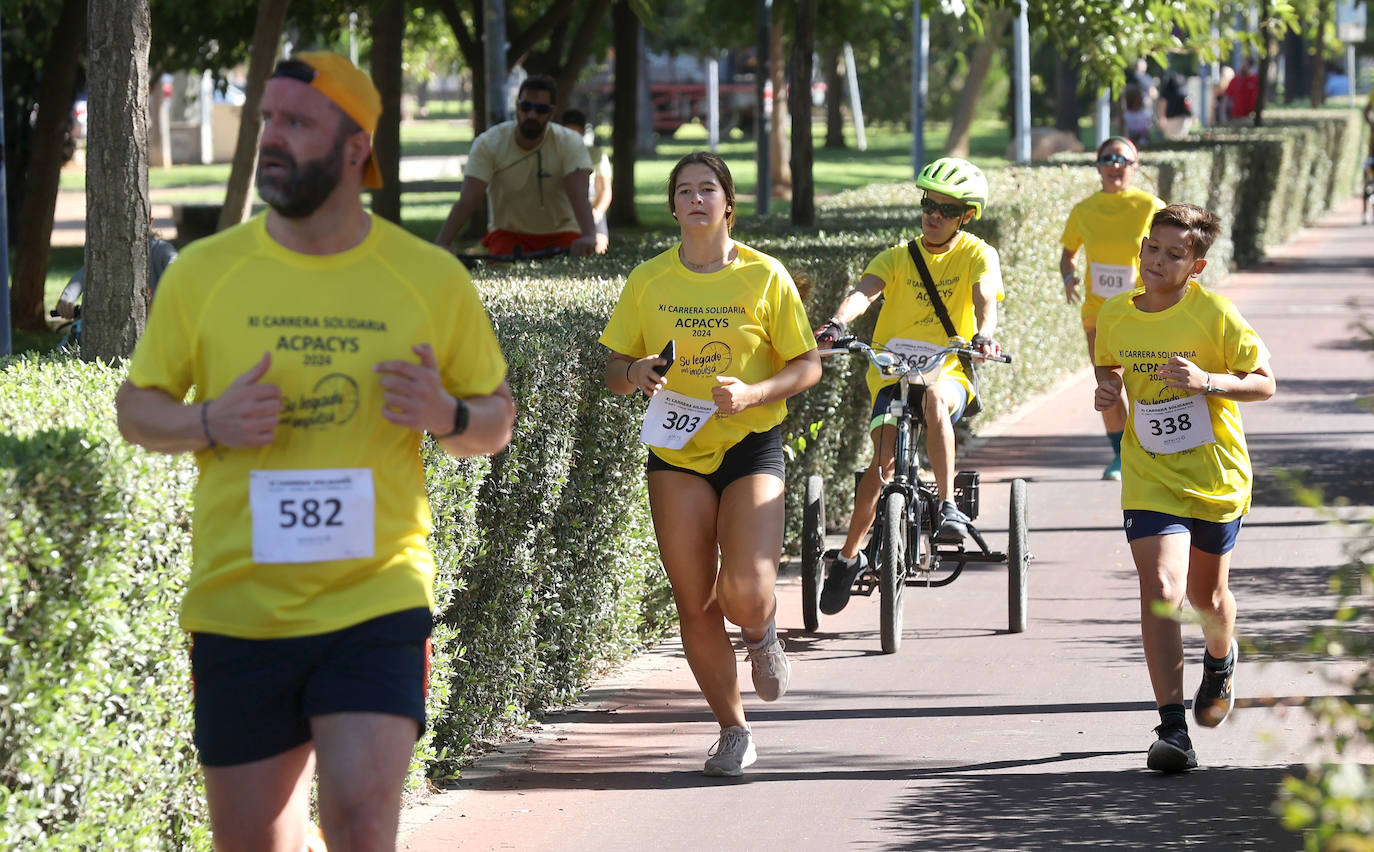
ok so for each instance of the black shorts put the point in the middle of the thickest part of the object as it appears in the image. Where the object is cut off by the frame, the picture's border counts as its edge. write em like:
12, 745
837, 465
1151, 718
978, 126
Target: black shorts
254, 697
757, 452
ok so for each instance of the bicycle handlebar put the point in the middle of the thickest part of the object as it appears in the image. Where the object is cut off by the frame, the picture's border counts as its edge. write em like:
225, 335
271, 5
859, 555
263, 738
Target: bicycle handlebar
895, 364
471, 260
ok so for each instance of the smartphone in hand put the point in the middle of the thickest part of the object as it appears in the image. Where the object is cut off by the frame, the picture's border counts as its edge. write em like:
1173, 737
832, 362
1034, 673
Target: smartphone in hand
669, 354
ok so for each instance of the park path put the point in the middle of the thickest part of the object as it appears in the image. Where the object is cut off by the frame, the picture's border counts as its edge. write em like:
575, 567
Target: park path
972, 738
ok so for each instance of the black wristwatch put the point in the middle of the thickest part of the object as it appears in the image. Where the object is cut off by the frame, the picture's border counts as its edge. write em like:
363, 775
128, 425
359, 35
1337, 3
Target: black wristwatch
460, 419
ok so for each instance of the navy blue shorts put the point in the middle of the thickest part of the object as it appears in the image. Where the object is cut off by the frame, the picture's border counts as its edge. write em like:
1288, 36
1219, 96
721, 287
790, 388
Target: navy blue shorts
882, 404
1213, 537
757, 452
254, 697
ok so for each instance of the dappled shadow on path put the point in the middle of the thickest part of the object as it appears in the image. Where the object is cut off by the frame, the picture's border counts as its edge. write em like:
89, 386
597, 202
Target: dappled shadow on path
1212, 808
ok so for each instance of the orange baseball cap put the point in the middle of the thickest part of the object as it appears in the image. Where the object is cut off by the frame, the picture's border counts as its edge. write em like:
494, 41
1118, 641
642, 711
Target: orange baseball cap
348, 87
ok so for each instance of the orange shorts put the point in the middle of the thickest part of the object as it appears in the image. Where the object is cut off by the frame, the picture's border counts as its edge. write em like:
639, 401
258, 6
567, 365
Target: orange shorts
505, 242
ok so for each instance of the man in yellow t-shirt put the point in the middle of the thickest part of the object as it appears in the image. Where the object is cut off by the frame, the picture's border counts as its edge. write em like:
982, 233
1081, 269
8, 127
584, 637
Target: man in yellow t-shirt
1186, 358
321, 344
534, 173
967, 274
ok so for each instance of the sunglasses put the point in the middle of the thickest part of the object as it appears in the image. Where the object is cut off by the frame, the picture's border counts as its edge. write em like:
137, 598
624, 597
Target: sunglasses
949, 211
1114, 160
535, 107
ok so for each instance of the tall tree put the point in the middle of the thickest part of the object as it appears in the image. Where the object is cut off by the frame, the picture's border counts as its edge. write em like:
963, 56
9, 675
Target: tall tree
388, 35
115, 301
56, 93
803, 186
267, 33
966, 102
627, 32
557, 39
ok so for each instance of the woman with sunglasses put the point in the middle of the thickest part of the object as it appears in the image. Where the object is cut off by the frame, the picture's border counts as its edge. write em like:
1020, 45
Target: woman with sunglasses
713, 426
1109, 226
969, 276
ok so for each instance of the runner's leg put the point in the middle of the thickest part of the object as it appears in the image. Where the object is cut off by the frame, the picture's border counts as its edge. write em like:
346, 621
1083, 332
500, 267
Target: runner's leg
1161, 563
363, 759
685, 508
263, 806
750, 529
1208, 592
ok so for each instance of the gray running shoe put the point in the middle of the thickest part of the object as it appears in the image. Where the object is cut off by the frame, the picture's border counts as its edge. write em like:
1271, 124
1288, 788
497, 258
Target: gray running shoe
1216, 694
771, 670
1173, 751
731, 753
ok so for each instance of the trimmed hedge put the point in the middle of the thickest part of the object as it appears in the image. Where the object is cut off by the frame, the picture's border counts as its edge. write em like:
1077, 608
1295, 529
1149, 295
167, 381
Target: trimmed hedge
547, 562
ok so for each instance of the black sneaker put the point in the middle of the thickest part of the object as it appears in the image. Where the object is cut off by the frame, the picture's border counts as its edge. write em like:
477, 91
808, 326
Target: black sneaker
1212, 703
1173, 751
839, 580
953, 524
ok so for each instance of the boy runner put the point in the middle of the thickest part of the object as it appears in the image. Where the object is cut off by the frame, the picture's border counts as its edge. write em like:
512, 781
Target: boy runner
1187, 357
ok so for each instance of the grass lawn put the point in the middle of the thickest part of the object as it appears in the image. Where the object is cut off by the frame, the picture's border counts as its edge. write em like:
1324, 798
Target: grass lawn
444, 134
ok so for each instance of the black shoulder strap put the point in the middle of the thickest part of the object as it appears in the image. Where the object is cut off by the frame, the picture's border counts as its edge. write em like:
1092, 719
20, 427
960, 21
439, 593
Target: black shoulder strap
974, 406
935, 301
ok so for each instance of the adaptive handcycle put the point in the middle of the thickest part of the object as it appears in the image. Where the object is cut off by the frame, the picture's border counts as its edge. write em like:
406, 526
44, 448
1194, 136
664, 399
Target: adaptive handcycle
903, 549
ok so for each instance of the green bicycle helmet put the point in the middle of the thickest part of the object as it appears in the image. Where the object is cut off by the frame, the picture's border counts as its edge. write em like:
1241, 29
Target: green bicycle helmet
956, 178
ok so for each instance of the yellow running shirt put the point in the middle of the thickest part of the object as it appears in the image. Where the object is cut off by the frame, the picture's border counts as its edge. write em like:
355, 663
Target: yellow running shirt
325, 320
1110, 225
526, 188
745, 321
1210, 482
907, 313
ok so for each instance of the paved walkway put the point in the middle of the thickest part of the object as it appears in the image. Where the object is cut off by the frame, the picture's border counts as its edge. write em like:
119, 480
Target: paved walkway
972, 738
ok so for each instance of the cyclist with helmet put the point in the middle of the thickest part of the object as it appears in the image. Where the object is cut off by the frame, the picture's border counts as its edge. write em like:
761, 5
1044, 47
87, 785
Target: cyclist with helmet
1108, 225
967, 274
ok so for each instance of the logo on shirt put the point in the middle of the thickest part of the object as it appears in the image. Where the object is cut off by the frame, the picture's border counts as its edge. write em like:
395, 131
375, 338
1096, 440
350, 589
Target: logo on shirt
332, 402
713, 360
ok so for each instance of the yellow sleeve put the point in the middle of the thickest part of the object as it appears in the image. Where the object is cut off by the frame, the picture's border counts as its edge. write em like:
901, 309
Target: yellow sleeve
790, 332
164, 356
1243, 347
1072, 238
883, 266
624, 331
475, 366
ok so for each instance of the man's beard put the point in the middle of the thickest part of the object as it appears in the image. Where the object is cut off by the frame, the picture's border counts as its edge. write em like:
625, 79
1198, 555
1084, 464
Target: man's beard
531, 128
302, 191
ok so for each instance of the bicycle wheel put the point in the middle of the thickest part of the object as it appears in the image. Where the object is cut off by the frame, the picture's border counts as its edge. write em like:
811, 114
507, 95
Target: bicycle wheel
812, 548
892, 557
1018, 560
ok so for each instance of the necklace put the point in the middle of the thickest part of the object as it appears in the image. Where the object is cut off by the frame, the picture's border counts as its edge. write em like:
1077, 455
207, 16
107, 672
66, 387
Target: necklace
708, 266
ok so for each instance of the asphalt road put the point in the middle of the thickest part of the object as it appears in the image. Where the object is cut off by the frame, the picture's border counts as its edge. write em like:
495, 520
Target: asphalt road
973, 738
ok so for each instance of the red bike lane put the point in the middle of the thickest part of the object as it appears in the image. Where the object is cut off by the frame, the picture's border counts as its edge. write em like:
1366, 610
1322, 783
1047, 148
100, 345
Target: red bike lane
972, 737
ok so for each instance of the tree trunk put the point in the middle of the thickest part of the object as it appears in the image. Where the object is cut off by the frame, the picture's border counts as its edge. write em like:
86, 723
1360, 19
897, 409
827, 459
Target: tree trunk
966, 102
777, 139
57, 93
834, 100
116, 298
1318, 79
388, 31
803, 185
1067, 109
627, 32
1267, 48
267, 32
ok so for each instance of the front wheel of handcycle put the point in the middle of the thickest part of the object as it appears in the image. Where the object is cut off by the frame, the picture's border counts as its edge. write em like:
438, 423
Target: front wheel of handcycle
812, 548
892, 559
1018, 560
